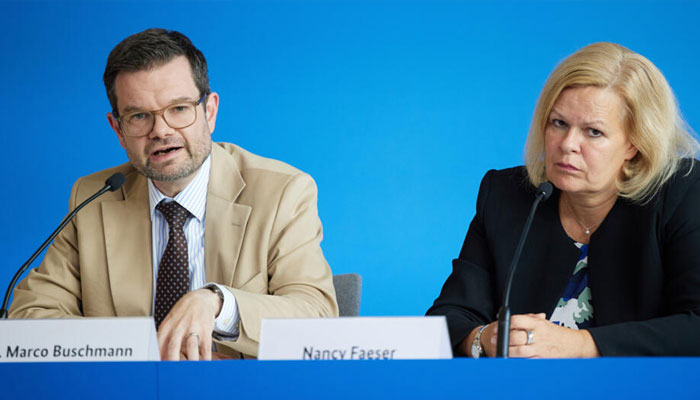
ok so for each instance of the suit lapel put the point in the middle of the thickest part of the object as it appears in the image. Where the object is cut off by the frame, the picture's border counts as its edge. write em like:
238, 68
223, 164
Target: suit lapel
127, 227
226, 221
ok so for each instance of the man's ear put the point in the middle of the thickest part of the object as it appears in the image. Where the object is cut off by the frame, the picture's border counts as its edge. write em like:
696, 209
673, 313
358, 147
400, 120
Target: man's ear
116, 128
212, 108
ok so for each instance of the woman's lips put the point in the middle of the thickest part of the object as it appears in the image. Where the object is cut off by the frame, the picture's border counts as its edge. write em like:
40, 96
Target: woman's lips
567, 167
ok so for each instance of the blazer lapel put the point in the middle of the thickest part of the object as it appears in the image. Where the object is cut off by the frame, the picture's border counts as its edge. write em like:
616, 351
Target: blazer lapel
226, 220
127, 227
546, 264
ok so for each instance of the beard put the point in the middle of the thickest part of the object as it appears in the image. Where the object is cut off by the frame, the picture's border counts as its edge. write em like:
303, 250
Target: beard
197, 151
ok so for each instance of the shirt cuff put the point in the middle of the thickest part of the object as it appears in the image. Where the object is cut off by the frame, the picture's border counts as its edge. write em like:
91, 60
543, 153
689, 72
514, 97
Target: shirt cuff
226, 324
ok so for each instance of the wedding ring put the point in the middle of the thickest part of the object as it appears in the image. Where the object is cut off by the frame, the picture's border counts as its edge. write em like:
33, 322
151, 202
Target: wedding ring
530, 337
197, 336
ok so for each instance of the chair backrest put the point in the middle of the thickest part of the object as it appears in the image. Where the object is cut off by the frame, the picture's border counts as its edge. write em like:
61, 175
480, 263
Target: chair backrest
348, 291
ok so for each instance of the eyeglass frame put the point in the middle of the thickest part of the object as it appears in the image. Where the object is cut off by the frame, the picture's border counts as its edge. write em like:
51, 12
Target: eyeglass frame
160, 112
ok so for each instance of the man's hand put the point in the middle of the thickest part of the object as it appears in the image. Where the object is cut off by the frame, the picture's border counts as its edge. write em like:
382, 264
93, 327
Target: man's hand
185, 333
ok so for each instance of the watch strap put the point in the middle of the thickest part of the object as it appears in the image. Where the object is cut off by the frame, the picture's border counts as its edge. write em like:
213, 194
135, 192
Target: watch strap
216, 289
477, 350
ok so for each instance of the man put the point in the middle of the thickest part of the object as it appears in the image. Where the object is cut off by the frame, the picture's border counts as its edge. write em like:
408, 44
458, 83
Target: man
208, 238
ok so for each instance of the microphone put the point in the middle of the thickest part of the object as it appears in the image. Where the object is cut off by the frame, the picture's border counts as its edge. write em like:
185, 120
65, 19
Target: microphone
543, 192
112, 183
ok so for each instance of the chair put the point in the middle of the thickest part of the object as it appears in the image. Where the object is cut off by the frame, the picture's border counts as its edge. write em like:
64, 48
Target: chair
348, 291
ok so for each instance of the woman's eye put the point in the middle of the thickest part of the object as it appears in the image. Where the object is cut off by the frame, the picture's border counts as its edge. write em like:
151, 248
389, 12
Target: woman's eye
594, 132
558, 123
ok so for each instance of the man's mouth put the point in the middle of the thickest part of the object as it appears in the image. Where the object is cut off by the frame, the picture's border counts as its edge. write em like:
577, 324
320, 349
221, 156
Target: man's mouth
165, 151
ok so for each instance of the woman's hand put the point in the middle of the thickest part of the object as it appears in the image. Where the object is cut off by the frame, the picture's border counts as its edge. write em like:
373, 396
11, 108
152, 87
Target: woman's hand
489, 338
488, 347
549, 340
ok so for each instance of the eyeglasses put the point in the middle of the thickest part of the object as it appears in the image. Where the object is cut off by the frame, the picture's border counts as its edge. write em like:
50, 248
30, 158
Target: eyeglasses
177, 116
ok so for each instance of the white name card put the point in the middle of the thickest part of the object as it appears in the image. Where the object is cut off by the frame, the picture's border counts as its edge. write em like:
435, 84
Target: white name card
354, 338
84, 339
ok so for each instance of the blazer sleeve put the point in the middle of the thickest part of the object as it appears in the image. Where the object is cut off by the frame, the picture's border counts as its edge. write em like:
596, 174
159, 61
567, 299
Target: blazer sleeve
299, 280
53, 290
677, 330
467, 297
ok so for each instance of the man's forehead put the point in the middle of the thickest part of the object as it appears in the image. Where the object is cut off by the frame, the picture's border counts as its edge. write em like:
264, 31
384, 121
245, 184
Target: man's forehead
160, 84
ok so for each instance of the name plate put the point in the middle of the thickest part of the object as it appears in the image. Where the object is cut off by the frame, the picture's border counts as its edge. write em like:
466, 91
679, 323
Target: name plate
83, 339
355, 338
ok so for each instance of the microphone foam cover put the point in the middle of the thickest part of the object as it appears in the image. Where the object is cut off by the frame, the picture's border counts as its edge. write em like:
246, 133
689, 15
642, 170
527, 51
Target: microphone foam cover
115, 181
546, 189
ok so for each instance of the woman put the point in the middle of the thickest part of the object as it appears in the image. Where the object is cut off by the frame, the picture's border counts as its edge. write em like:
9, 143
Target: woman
611, 265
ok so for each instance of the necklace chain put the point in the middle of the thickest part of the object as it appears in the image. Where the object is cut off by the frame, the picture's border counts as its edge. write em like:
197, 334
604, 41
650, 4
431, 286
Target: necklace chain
588, 229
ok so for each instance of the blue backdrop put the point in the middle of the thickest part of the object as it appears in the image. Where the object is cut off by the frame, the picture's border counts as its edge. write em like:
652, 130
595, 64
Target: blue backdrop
395, 108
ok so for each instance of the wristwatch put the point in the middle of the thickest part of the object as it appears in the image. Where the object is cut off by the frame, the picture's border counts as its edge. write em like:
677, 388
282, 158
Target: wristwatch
477, 350
216, 289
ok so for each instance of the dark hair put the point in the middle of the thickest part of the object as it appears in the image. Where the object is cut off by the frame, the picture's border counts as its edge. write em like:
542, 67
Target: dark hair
152, 48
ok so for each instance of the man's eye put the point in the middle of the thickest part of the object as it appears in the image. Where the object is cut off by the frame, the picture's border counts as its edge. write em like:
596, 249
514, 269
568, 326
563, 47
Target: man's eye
137, 117
178, 108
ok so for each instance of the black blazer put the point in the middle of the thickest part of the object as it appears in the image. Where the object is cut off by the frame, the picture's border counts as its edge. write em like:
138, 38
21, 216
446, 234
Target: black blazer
644, 264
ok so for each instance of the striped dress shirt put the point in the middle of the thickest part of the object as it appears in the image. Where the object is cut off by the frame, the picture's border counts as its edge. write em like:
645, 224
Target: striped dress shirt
193, 198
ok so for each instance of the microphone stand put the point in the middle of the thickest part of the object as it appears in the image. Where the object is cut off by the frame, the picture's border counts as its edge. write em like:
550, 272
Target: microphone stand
543, 192
113, 183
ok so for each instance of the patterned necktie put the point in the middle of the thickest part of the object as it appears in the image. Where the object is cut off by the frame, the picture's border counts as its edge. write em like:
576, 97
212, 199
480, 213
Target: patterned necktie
173, 272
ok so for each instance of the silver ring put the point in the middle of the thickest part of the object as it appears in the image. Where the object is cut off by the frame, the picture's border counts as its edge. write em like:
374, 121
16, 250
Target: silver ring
193, 334
530, 337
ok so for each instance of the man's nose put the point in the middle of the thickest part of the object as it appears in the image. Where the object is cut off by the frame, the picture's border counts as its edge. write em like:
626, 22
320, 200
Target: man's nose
160, 127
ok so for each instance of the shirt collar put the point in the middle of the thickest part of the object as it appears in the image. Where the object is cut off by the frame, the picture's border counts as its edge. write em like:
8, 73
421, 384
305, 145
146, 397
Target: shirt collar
193, 197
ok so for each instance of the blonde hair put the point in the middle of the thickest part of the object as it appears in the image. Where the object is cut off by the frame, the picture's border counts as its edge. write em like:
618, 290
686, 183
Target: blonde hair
653, 121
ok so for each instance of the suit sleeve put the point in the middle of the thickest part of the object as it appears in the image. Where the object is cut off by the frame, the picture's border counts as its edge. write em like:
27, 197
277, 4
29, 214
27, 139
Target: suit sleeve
53, 290
675, 333
466, 299
300, 280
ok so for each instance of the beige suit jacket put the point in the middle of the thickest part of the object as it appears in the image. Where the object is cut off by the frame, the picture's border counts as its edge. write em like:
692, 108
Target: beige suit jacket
262, 240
